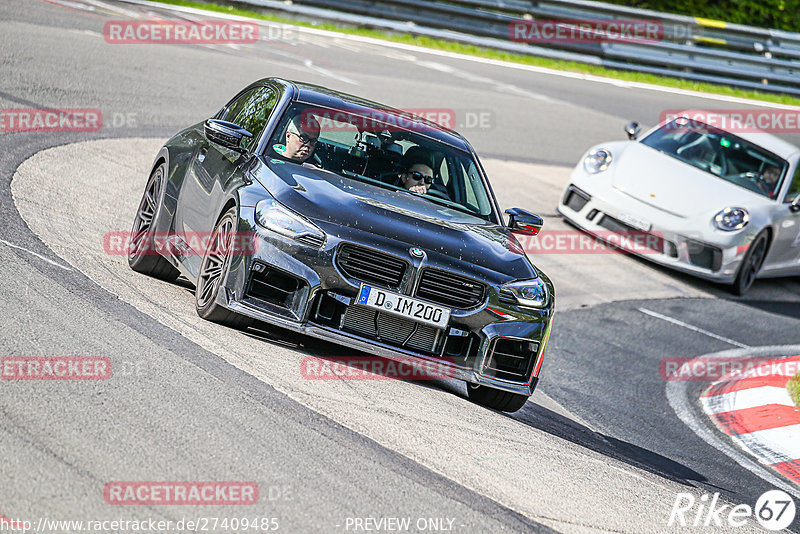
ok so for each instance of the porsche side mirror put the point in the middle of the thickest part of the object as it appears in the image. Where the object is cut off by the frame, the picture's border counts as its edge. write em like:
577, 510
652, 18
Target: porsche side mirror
520, 220
794, 207
633, 129
226, 134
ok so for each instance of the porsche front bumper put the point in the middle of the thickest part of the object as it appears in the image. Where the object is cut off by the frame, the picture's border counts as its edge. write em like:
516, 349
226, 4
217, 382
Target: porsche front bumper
673, 241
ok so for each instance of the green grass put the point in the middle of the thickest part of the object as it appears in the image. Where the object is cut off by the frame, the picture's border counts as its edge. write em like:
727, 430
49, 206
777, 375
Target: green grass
441, 44
794, 390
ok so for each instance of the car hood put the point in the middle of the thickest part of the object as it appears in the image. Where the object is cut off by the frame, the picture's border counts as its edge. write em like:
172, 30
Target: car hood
448, 236
670, 185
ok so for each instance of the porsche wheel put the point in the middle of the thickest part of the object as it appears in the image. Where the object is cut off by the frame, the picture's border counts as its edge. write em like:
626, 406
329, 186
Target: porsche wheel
213, 271
751, 264
142, 256
496, 399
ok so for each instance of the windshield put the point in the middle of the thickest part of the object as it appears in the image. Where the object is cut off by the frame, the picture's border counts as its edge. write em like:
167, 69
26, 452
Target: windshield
722, 154
386, 150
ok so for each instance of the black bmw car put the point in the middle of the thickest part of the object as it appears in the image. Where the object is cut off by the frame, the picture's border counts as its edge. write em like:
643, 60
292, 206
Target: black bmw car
362, 225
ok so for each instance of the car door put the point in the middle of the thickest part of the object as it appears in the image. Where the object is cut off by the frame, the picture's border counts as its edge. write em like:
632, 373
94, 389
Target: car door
215, 169
784, 256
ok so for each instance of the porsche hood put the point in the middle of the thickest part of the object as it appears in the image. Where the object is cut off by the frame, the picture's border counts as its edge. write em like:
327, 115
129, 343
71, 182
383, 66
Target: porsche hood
671, 185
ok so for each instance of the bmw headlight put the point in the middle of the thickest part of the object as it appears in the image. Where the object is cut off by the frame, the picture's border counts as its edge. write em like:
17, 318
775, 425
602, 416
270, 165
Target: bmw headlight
272, 215
731, 219
597, 161
530, 293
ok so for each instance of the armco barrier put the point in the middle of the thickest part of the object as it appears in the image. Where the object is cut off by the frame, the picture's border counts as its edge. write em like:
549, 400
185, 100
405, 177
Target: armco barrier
689, 47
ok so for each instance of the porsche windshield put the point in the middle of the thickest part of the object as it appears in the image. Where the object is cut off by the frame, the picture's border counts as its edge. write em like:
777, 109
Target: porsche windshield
722, 154
384, 149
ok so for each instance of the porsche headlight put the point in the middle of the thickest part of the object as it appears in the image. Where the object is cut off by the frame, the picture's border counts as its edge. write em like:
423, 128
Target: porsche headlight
597, 161
272, 215
530, 293
731, 219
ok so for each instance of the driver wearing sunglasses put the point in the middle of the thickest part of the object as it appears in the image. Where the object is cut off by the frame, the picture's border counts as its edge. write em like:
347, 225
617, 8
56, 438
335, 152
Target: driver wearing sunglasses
418, 176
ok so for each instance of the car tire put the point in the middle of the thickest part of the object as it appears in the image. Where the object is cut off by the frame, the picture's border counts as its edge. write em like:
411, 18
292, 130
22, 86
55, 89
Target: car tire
496, 399
751, 264
142, 256
213, 270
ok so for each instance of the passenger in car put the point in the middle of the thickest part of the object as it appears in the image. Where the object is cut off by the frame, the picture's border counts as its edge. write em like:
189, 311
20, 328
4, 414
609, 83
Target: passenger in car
418, 174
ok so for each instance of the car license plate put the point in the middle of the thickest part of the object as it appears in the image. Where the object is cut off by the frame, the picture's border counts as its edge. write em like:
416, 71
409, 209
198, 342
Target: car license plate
637, 223
400, 305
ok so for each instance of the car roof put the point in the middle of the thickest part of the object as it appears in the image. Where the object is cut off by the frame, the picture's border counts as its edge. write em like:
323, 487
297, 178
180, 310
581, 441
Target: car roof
774, 144
324, 97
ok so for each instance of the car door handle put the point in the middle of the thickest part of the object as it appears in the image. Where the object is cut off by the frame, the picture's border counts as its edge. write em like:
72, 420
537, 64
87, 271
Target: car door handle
201, 157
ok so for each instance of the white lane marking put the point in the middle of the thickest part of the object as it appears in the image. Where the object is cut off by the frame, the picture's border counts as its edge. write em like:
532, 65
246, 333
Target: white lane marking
112, 9
306, 62
747, 398
73, 5
48, 260
494, 84
325, 72
775, 445
485, 61
693, 328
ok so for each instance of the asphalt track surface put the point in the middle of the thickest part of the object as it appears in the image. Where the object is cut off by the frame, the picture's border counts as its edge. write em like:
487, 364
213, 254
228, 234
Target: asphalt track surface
601, 447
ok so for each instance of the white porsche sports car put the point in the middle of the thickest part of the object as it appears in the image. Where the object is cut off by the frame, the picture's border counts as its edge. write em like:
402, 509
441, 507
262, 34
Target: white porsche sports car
718, 205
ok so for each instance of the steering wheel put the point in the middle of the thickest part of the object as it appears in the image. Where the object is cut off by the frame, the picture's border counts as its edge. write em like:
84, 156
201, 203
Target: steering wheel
438, 194
755, 179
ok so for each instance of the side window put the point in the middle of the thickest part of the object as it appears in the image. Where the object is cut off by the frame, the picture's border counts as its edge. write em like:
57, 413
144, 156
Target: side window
251, 111
444, 172
794, 187
472, 173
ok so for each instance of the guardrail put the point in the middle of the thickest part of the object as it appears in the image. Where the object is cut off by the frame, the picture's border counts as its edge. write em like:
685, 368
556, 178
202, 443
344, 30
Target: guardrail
688, 47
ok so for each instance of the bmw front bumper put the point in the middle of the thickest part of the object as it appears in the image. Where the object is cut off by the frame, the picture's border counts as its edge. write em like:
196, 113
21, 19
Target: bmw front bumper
493, 324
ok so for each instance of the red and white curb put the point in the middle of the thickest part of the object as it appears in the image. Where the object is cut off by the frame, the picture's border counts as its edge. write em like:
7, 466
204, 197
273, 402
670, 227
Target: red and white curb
755, 410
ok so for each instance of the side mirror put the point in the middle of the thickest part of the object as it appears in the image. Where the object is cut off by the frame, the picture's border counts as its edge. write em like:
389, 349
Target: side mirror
633, 129
794, 207
523, 221
226, 134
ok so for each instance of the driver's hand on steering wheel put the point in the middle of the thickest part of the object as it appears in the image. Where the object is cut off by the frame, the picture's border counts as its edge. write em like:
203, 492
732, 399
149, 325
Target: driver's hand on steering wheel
421, 189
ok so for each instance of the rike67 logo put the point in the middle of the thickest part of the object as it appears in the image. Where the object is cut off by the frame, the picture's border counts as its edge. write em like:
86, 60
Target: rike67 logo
774, 510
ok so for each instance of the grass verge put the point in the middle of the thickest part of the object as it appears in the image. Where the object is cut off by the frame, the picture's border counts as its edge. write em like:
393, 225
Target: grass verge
441, 44
794, 389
